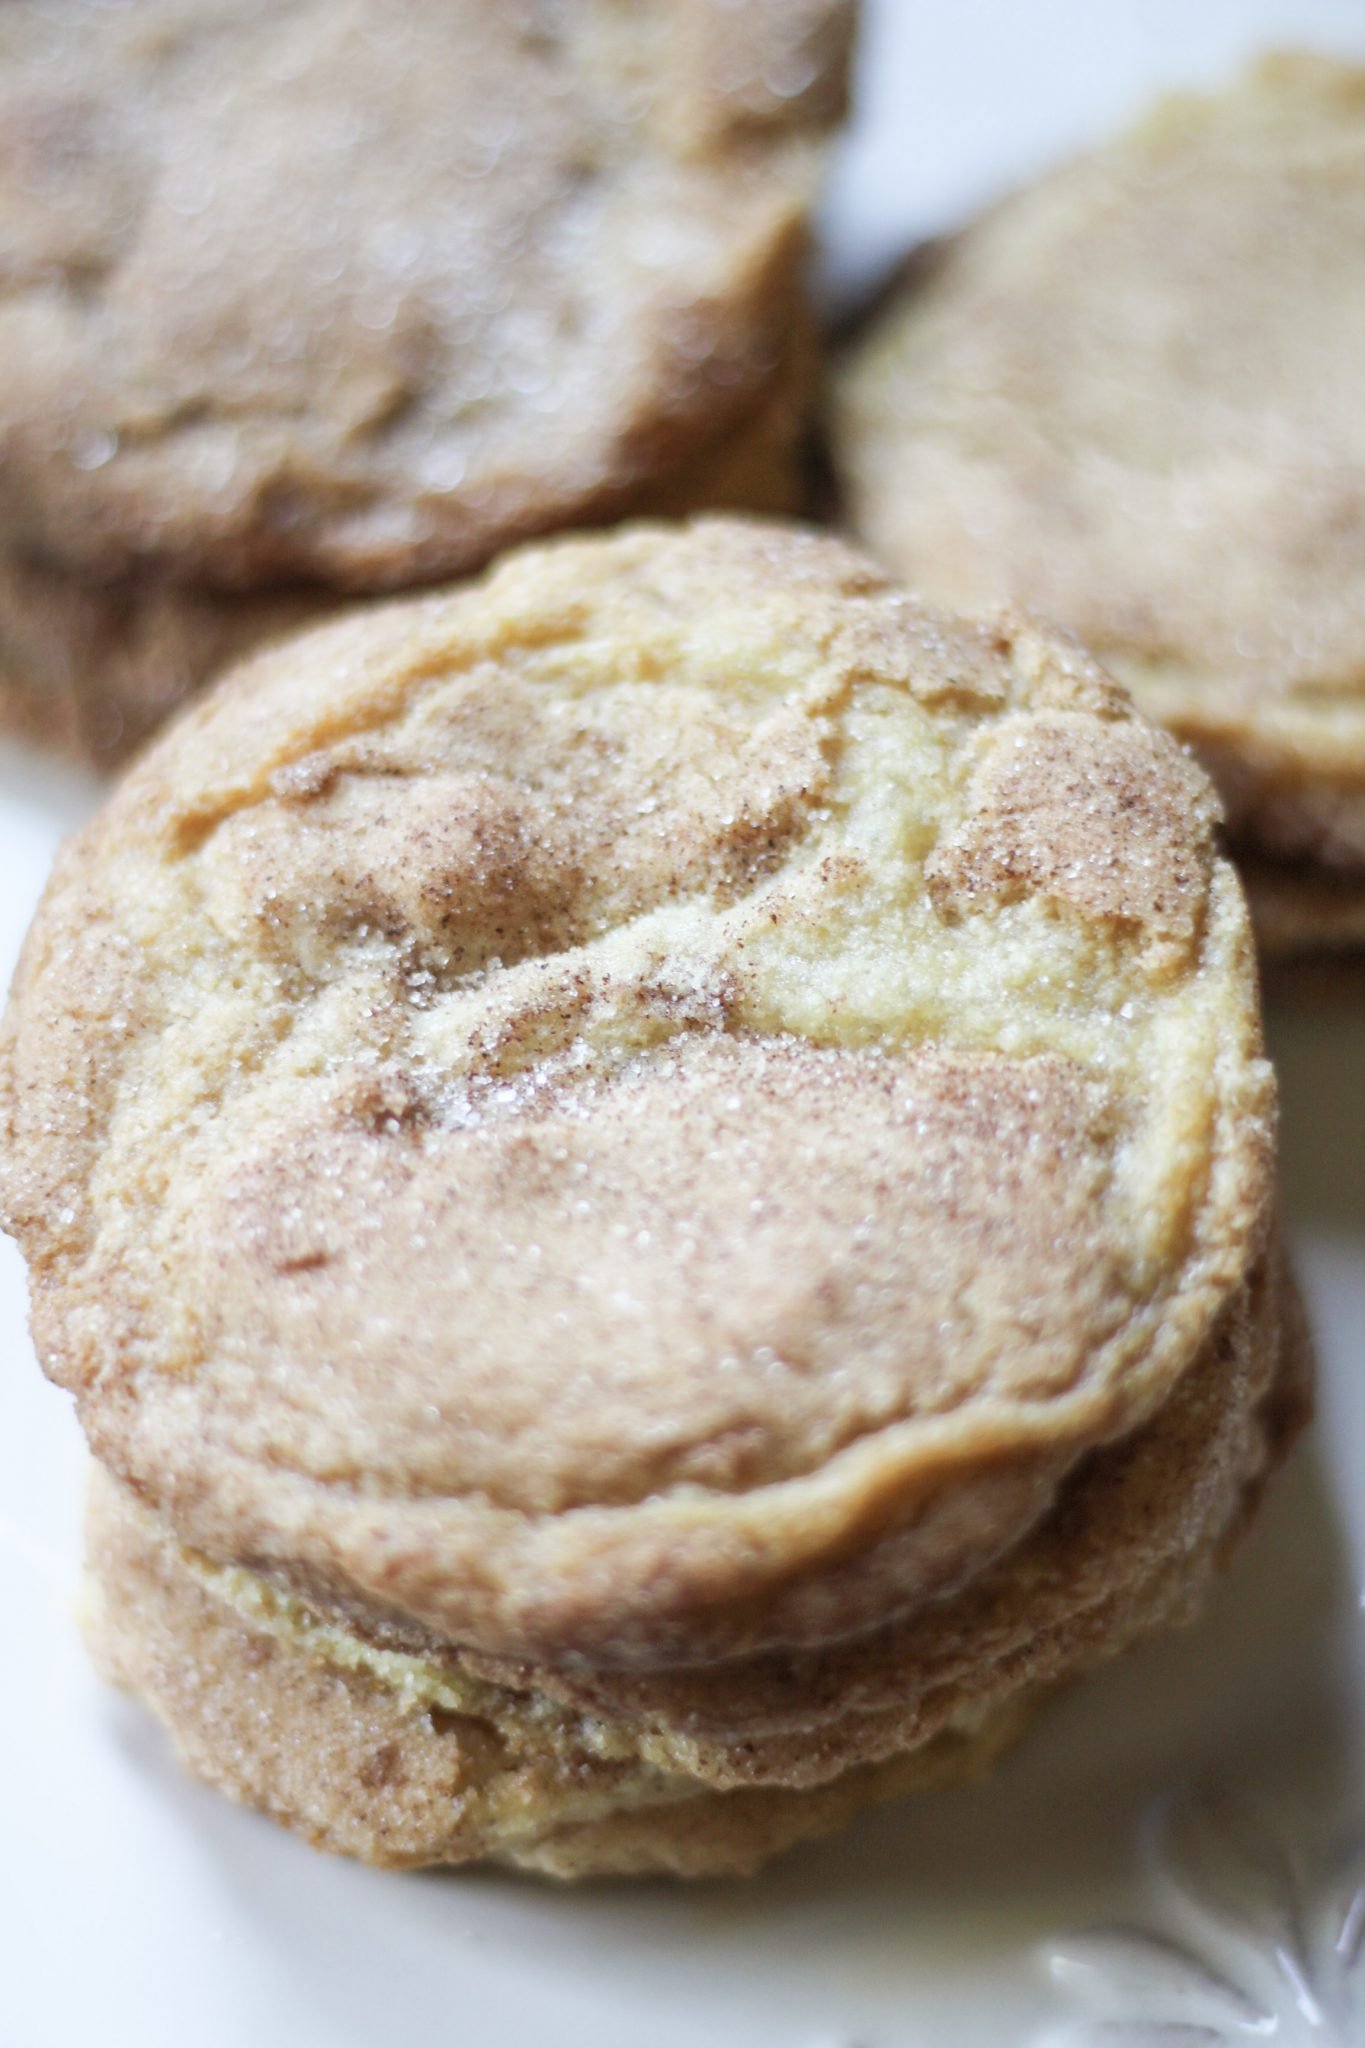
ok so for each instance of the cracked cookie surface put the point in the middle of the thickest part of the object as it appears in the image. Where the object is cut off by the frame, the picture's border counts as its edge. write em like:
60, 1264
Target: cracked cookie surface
649, 1108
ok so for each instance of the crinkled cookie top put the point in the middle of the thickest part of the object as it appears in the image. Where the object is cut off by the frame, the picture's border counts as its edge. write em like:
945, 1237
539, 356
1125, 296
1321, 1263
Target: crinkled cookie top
650, 1105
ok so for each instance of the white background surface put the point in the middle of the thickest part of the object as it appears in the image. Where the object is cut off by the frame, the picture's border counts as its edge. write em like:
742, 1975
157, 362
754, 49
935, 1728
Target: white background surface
136, 1908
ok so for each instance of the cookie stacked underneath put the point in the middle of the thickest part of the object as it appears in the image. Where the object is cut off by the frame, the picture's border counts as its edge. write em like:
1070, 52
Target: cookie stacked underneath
653, 1178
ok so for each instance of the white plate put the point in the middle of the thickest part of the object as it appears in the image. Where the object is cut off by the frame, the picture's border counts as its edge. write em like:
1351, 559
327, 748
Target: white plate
1174, 1855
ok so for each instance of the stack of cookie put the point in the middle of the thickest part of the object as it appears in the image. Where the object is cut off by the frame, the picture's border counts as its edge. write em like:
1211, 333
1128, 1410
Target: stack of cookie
654, 1180
653, 1173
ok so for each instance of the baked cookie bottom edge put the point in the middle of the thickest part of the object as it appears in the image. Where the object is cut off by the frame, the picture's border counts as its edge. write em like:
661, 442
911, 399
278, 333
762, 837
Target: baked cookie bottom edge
359, 1760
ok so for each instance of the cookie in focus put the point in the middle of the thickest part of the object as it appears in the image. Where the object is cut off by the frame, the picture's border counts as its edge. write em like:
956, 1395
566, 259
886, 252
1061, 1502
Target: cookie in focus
654, 1179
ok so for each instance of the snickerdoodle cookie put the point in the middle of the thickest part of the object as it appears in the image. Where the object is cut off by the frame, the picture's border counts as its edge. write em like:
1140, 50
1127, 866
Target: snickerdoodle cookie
653, 1177
1130, 398
306, 297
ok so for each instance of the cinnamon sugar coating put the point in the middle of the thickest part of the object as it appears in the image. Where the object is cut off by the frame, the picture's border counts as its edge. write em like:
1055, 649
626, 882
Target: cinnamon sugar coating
374, 1740
344, 298
1129, 399
648, 1114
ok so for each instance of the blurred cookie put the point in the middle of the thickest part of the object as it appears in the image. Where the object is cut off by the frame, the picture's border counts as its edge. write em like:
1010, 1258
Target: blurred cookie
657, 1171
307, 299
1130, 399
1298, 908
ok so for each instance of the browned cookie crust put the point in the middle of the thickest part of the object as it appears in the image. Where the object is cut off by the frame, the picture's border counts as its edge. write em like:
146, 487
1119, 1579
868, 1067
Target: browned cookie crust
628, 1134
92, 668
328, 294
356, 1766
1130, 399
421, 1756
